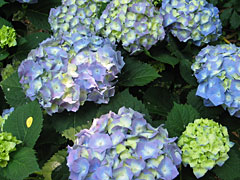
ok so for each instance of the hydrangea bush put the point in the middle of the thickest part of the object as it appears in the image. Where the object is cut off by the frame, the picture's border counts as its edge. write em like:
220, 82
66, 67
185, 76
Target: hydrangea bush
217, 71
66, 71
123, 146
204, 144
192, 20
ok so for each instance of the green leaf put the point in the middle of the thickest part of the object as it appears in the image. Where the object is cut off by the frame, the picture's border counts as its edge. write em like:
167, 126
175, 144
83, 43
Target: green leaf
162, 57
71, 132
38, 19
124, 99
197, 103
66, 120
21, 41
4, 22
136, 73
231, 168
179, 117
56, 160
173, 48
3, 54
17, 123
2, 2
186, 72
13, 91
234, 20
158, 101
61, 172
23, 163
225, 16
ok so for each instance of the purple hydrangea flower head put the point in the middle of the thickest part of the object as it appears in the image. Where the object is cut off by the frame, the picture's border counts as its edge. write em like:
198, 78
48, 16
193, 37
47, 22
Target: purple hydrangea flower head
204, 144
123, 146
65, 71
137, 24
28, 1
192, 20
72, 14
217, 71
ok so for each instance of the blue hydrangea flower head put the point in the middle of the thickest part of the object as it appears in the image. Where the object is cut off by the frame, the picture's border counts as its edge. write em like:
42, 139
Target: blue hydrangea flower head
192, 20
66, 71
74, 13
28, 1
137, 24
123, 146
204, 144
218, 74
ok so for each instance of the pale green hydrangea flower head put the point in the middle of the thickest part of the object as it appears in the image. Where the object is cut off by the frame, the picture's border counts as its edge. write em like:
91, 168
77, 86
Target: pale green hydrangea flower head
7, 37
7, 145
9, 70
204, 144
137, 24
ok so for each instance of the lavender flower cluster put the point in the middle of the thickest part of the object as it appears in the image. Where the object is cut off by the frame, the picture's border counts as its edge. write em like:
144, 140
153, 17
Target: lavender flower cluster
74, 13
135, 23
64, 72
123, 146
217, 69
195, 20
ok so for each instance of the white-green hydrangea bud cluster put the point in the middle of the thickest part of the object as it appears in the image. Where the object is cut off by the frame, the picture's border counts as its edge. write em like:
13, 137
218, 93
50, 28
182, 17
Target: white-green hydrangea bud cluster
204, 144
74, 13
135, 23
8, 144
9, 70
7, 37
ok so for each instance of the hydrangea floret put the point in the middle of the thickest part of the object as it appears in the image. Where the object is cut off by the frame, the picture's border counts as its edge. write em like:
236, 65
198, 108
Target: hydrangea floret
7, 37
123, 146
217, 69
74, 13
28, 1
137, 24
66, 71
204, 144
195, 20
